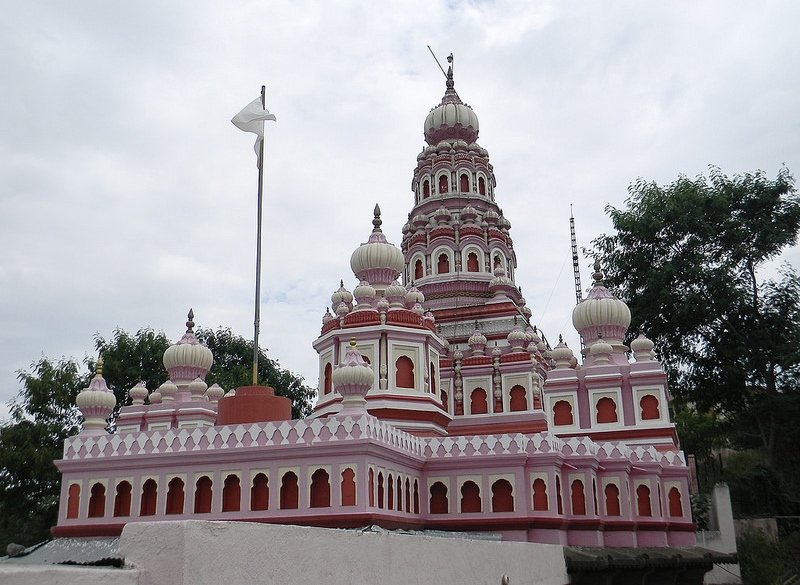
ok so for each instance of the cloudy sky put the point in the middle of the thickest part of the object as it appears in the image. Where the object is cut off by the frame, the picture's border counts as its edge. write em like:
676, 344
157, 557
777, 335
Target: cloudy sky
126, 195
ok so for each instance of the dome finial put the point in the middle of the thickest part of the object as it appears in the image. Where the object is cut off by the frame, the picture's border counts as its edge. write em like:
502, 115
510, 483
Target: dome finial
450, 84
598, 273
190, 322
376, 221
98, 368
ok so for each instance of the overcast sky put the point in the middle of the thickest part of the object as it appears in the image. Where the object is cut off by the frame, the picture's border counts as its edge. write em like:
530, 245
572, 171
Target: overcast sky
127, 196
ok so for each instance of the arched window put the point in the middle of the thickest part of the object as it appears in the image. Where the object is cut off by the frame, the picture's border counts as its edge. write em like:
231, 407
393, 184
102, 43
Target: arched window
650, 410
502, 496
404, 372
320, 489
443, 397
559, 500
477, 402
464, 183
643, 501
97, 501
259, 493
149, 497
443, 184
426, 189
202, 495
380, 489
231, 494
432, 379
348, 487
481, 186
472, 262
328, 386
578, 498
419, 271
175, 496
390, 493
540, 495
606, 410
675, 504
416, 497
438, 501
612, 500
408, 495
371, 488
518, 400
470, 497
122, 499
73, 500
594, 495
562, 413
399, 493
289, 495
443, 264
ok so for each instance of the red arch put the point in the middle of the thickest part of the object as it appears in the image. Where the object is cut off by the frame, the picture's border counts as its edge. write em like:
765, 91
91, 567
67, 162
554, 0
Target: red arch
97, 501
612, 500
464, 183
380, 489
606, 410
175, 496
643, 501
416, 497
649, 405
518, 400
328, 379
502, 496
433, 379
443, 184
438, 501
418, 270
289, 494
320, 489
73, 500
399, 493
371, 488
477, 402
408, 495
675, 504
348, 487
426, 189
404, 372
578, 498
149, 498
559, 500
259, 492
390, 492
481, 186
470, 497
562, 413
443, 264
540, 495
472, 262
122, 499
202, 495
232, 494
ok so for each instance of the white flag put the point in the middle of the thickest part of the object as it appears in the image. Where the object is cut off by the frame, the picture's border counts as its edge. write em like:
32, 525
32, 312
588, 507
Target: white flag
251, 119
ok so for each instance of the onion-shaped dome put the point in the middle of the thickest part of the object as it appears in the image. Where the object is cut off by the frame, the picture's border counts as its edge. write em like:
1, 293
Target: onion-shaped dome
364, 294
327, 316
458, 355
418, 309
419, 221
517, 339
138, 394
414, 296
353, 378
187, 359
491, 217
562, 355
167, 391
533, 336
341, 295
429, 318
601, 314
214, 393
477, 341
469, 214
342, 310
155, 397
442, 215
382, 305
501, 284
452, 119
642, 348
406, 228
527, 312
396, 294
504, 224
96, 403
378, 262
460, 146
197, 388
600, 351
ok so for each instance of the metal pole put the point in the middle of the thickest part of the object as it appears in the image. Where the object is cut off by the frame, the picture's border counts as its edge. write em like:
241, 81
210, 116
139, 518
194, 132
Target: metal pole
257, 312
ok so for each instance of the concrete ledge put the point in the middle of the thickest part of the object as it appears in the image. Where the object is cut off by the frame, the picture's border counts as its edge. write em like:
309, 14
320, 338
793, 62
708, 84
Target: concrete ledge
66, 575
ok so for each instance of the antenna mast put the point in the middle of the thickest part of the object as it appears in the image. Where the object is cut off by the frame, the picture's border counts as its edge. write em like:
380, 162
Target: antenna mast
575, 265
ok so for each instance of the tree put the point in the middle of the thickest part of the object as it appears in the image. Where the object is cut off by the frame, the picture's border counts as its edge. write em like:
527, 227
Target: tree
45, 414
687, 258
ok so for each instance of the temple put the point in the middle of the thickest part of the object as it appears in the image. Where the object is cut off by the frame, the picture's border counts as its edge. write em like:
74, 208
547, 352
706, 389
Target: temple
441, 405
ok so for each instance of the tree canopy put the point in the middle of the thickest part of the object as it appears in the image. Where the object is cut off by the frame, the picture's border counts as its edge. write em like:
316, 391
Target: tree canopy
689, 260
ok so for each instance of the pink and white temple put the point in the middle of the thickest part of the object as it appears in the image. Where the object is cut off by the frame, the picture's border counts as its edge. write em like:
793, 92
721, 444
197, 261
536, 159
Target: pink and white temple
440, 405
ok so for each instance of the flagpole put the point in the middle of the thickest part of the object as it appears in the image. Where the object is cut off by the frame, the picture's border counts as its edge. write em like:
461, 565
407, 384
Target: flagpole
257, 316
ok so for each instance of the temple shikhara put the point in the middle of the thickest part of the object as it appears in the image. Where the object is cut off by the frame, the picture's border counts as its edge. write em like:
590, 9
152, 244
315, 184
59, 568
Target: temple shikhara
441, 405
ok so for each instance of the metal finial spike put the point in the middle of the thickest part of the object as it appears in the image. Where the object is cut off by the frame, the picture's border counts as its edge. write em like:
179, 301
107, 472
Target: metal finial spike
598, 272
190, 322
560, 338
98, 367
376, 221
341, 283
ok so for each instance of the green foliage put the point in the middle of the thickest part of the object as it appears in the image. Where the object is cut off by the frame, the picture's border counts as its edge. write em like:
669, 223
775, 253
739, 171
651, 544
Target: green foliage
766, 561
686, 258
701, 510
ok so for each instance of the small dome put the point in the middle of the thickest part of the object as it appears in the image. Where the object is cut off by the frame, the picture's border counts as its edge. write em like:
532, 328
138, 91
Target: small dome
187, 359
419, 221
562, 355
452, 119
469, 213
364, 294
96, 403
642, 348
517, 339
442, 215
138, 394
341, 295
327, 316
342, 310
353, 378
396, 294
477, 341
417, 308
382, 305
378, 262
600, 351
491, 217
197, 388
167, 391
414, 296
601, 313
214, 393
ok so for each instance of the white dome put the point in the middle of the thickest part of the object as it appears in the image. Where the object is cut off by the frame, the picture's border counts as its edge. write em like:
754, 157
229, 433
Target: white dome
188, 359
353, 378
601, 313
378, 262
96, 403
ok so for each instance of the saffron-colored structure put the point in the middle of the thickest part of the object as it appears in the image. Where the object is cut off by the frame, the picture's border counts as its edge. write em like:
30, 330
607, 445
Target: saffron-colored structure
440, 404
